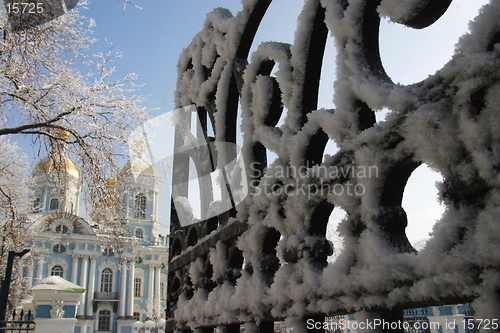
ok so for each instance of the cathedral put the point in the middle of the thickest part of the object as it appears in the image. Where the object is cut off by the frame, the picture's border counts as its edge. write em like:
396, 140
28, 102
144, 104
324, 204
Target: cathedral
123, 270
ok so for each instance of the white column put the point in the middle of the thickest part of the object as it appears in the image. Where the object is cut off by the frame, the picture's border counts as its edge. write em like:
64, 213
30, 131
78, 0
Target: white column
151, 283
74, 268
155, 208
127, 205
157, 291
90, 291
150, 300
39, 270
30, 274
123, 291
130, 304
83, 283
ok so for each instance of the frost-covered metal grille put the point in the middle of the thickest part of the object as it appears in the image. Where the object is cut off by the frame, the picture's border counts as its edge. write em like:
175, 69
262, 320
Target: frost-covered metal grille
266, 259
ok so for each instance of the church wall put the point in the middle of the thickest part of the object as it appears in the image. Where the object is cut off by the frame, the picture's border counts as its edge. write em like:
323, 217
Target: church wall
82, 239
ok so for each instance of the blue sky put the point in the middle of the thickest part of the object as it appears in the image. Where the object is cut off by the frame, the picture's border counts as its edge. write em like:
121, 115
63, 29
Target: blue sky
152, 38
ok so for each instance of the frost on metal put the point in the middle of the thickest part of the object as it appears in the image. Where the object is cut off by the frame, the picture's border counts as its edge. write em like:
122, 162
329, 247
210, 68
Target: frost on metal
266, 259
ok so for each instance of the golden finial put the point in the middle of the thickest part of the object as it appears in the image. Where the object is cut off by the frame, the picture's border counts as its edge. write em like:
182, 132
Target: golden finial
63, 134
140, 143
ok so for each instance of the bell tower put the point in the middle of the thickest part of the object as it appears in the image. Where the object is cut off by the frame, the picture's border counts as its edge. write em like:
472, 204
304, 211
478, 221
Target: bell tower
138, 185
50, 171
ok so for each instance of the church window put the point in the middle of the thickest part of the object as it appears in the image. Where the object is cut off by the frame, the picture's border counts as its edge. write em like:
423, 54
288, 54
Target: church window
139, 233
54, 204
62, 229
162, 290
59, 248
108, 252
140, 206
104, 320
137, 287
106, 280
57, 271
37, 205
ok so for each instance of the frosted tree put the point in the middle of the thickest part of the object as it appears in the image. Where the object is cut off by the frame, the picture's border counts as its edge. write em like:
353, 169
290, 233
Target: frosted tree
64, 100
67, 102
13, 191
14, 203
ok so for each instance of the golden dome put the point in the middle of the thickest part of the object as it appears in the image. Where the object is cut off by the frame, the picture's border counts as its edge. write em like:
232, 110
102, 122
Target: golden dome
47, 164
111, 181
109, 200
139, 166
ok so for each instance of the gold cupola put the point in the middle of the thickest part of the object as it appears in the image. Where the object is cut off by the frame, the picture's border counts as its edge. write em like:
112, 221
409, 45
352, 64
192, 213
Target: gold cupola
109, 199
47, 164
61, 163
138, 165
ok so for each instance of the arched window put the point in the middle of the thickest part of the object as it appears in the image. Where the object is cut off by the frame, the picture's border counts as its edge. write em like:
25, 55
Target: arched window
37, 207
104, 320
106, 280
59, 248
54, 204
139, 233
140, 206
57, 271
62, 229
137, 287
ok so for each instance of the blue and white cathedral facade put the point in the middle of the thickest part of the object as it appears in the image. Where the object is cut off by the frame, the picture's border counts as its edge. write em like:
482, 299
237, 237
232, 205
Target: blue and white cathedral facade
123, 270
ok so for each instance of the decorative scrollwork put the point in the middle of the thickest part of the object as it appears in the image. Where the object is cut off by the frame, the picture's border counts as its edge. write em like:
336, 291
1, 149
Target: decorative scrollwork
448, 121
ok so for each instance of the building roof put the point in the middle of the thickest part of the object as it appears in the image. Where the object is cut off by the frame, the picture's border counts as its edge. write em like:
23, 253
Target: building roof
58, 283
139, 167
48, 164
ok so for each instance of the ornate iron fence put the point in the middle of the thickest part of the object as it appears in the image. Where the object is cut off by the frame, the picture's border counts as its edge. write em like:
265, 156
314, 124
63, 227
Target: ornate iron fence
19, 323
265, 260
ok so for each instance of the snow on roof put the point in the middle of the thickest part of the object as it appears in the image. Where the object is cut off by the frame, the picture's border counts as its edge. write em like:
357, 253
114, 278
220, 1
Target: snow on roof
58, 283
